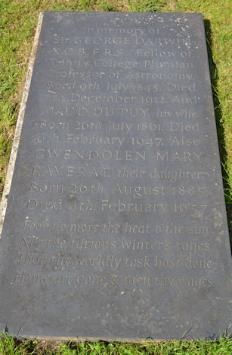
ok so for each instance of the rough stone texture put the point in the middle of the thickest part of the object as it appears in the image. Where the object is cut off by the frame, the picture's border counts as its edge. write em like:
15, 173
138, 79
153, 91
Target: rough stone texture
115, 226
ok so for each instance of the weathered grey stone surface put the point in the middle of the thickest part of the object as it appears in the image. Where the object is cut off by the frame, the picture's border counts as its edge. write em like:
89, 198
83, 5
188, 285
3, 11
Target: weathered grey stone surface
115, 226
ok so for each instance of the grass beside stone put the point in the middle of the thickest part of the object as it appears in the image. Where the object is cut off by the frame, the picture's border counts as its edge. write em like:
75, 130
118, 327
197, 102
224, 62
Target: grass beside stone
18, 20
8, 346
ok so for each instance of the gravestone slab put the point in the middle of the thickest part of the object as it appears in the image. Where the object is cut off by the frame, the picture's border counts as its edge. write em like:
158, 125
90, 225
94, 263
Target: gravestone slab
114, 222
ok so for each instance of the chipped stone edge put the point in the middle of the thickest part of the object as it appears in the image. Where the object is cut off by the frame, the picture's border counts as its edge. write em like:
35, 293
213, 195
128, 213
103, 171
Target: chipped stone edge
82, 339
18, 129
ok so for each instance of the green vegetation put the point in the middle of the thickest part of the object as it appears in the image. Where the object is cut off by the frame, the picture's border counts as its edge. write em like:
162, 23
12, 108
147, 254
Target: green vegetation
221, 347
18, 20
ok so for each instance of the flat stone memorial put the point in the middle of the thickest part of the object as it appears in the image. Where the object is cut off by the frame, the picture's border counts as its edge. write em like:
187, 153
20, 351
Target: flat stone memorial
114, 221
